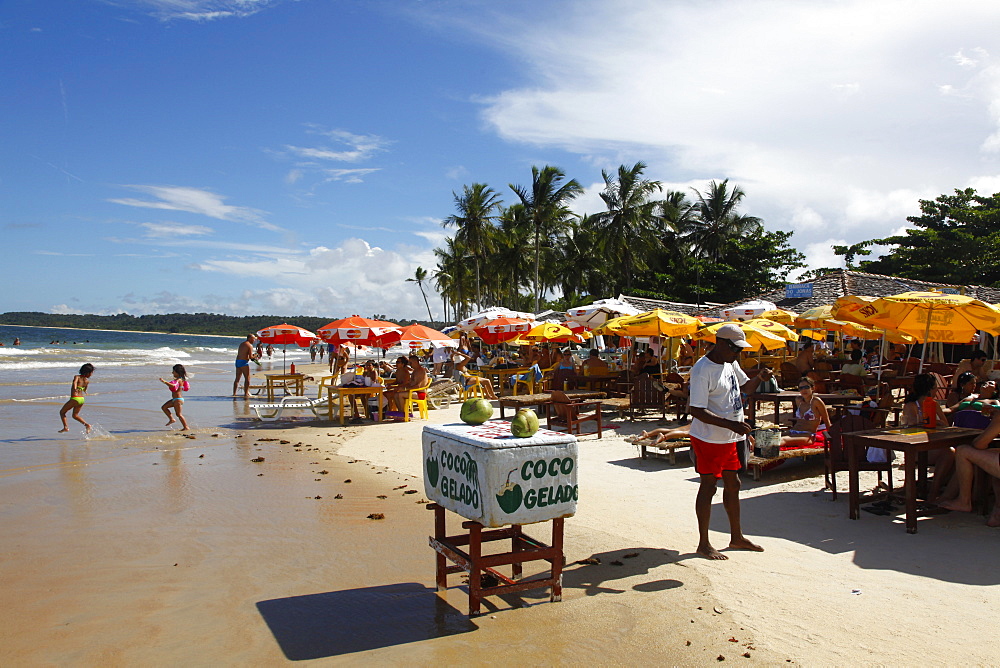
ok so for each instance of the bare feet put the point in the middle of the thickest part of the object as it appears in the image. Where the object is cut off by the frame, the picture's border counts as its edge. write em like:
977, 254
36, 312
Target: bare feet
744, 544
63, 430
955, 504
170, 422
710, 552
87, 426
994, 519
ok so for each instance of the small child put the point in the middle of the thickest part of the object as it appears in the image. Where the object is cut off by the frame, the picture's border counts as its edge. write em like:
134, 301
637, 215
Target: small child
177, 385
78, 388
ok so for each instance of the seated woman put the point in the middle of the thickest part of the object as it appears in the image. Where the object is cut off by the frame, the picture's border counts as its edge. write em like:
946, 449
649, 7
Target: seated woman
921, 410
811, 419
983, 454
966, 395
461, 375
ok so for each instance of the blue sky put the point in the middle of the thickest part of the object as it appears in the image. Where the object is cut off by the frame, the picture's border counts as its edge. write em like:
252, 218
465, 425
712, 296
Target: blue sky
297, 157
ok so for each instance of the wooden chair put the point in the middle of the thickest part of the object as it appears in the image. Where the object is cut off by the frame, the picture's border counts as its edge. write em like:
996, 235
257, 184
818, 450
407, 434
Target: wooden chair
790, 376
940, 392
644, 395
560, 379
835, 451
570, 413
910, 365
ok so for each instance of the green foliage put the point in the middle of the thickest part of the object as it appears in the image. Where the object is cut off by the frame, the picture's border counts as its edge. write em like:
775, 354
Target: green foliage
956, 240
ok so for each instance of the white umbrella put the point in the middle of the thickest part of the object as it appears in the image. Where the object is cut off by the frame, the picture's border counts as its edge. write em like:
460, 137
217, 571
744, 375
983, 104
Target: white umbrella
484, 317
748, 310
600, 312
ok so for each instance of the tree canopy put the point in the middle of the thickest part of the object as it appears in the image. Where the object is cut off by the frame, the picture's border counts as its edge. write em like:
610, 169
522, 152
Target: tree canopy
955, 240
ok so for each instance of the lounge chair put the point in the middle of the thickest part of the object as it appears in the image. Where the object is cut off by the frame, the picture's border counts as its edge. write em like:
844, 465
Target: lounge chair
272, 412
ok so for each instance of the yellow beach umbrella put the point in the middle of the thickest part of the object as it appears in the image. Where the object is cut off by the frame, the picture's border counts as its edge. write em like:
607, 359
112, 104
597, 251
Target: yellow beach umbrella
814, 317
815, 334
926, 316
652, 323
756, 337
548, 331
779, 315
774, 328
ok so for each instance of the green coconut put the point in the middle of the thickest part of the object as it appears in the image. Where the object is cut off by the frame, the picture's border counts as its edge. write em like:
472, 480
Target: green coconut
524, 424
476, 411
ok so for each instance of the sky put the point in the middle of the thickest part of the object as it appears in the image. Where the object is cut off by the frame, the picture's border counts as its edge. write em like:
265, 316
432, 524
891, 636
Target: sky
297, 157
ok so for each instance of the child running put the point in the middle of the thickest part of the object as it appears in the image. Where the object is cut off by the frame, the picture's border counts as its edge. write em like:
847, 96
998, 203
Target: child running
76, 399
177, 385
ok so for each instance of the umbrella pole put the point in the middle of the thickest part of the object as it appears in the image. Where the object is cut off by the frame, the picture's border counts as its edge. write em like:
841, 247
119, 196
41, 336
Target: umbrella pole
927, 334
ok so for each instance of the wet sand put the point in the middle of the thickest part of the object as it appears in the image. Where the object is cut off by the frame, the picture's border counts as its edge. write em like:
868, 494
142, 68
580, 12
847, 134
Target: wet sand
158, 549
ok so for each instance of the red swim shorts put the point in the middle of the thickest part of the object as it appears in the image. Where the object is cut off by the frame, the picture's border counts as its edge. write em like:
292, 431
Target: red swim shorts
714, 458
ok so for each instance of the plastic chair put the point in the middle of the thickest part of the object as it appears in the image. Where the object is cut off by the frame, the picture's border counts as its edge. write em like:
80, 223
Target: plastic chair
528, 379
472, 387
416, 397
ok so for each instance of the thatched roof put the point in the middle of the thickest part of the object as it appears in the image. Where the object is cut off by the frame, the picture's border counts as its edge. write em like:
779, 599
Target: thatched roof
825, 290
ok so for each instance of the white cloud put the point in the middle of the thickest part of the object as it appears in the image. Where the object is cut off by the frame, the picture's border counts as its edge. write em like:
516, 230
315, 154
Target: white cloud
166, 230
831, 112
195, 200
201, 10
353, 277
347, 175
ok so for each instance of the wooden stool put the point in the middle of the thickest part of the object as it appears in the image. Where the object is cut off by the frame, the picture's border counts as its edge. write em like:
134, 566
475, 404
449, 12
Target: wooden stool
523, 548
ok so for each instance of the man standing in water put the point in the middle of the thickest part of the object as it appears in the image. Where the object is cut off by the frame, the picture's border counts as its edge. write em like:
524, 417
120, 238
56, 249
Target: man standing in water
243, 356
717, 425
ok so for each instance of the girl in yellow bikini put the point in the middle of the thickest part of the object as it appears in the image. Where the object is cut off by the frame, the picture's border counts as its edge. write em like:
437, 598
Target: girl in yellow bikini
177, 385
76, 399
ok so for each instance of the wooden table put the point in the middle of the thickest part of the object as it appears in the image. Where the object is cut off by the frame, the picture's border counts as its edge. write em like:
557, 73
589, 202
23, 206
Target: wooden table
540, 399
343, 392
282, 380
498, 376
914, 443
789, 396
604, 382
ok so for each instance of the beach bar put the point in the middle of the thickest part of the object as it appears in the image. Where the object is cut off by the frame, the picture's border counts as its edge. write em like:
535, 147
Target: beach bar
498, 483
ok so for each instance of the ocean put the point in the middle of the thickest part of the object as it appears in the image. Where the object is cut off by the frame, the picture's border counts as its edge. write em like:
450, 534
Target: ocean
125, 395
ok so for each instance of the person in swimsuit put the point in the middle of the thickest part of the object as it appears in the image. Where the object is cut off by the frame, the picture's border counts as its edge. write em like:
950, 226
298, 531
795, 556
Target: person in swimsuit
979, 454
76, 399
811, 419
244, 354
177, 385
921, 410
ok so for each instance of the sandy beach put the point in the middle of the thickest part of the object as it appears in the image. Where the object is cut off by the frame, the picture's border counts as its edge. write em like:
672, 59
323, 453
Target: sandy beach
151, 548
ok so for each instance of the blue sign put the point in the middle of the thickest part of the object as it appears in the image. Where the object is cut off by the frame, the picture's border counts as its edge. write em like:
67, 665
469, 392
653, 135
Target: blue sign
799, 291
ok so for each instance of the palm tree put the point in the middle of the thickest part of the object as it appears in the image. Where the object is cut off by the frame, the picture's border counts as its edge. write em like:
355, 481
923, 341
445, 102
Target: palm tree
629, 227
452, 276
580, 262
716, 219
419, 277
545, 206
477, 206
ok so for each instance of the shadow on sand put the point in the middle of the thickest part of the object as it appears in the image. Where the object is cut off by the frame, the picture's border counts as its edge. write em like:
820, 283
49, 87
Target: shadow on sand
357, 620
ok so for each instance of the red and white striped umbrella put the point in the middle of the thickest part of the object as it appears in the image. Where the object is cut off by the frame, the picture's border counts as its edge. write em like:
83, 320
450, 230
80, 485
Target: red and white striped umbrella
357, 330
503, 329
284, 334
418, 336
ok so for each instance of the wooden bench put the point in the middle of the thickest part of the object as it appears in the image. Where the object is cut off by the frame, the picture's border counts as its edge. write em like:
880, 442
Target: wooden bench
620, 404
758, 465
667, 447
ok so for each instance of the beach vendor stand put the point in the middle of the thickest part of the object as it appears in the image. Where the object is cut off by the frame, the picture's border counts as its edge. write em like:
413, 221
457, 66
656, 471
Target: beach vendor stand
498, 483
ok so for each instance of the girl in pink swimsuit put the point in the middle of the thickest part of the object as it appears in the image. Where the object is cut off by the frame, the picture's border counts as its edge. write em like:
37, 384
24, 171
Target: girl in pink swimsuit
177, 385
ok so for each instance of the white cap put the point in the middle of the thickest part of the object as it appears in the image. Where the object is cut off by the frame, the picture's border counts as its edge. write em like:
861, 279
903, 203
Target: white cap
733, 334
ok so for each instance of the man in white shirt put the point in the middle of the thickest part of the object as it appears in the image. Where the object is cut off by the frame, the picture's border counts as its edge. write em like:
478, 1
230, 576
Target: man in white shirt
717, 424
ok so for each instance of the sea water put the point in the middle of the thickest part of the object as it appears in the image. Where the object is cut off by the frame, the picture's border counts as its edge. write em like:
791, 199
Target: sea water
124, 397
